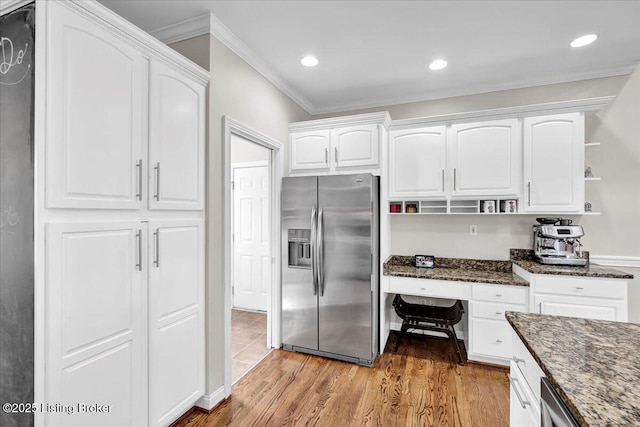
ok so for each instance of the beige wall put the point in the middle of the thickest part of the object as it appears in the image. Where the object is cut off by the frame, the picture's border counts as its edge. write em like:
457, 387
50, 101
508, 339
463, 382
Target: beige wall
240, 92
243, 150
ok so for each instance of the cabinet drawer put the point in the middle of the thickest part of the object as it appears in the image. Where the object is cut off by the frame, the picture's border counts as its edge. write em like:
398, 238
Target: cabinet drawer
491, 338
501, 293
492, 310
581, 286
524, 407
524, 361
432, 288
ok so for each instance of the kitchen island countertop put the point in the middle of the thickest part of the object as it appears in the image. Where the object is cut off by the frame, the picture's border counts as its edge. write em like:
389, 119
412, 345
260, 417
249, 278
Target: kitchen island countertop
594, 365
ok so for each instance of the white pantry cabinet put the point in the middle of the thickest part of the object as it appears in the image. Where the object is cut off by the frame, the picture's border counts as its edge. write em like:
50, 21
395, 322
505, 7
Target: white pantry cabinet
96, 322
417, 162
349, 144
554, 163
176, 317
100, 121
176, 139
119, 228
96, 96
485, 158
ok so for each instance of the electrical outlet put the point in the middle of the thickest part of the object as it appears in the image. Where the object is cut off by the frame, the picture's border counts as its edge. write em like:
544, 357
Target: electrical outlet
473, 230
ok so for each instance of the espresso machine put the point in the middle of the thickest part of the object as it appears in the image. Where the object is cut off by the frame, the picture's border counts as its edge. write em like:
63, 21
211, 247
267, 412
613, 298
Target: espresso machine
558, 244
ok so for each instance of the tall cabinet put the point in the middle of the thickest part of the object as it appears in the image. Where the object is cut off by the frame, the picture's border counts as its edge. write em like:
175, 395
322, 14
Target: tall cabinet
120, 168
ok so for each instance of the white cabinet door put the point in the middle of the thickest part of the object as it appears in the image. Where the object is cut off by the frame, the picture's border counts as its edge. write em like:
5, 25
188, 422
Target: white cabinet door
310, 151
485, 158
554, 163
587, 308
417, 161
356, 146
96, 323
95, 115
176, 318
176, 140
524, 411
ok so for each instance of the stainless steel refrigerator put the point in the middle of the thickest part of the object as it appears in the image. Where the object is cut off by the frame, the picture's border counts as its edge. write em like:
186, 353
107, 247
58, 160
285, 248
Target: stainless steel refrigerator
330, 253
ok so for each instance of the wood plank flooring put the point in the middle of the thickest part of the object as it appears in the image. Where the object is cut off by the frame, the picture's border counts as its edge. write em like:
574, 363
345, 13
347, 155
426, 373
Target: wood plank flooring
420, 386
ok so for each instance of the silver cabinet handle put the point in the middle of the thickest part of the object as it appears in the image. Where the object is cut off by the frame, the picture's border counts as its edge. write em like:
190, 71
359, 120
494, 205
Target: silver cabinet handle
517, 359
499, 341
579, 288
523, 402
139, 168
139, 241
326, 156
540, 307
314, 250
443, 180
529, 193
498, 313
156, 168
454, 179
156, 236
498, 295
321, 252
336, 149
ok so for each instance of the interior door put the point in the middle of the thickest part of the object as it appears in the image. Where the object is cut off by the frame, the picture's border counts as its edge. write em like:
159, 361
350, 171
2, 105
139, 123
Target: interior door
176, 318
95, 102
345, 228
96, 323
176, 140
251, 237
299, 296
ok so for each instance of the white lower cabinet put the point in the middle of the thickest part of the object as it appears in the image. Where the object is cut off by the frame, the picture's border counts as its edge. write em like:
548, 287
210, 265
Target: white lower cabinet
585, 297
524, 375
124, 334
176, 318
489, 332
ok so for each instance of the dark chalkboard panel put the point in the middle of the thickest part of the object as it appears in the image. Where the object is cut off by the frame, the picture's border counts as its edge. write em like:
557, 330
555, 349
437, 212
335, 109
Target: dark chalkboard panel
16, 212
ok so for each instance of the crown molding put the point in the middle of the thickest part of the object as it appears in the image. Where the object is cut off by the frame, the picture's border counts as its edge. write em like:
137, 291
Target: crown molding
586, 105
143, 41
381, 117
222, 33
471, 90
194, 27
10, 5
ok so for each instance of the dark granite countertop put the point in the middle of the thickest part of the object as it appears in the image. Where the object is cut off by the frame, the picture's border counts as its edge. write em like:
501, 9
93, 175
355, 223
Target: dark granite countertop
524, 258
594, 365
455, 269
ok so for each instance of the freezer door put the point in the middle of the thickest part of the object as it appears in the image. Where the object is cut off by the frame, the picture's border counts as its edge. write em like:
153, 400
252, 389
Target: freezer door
299, 303
346, 271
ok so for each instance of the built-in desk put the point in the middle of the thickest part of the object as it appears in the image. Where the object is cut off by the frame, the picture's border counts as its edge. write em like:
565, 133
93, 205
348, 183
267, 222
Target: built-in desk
488, 289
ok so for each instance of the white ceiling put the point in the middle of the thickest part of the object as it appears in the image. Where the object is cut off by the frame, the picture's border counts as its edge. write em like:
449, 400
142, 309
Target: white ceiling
375, 53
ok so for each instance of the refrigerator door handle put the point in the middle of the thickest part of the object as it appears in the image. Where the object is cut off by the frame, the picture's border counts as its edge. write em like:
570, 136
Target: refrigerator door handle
320, 266
314, 255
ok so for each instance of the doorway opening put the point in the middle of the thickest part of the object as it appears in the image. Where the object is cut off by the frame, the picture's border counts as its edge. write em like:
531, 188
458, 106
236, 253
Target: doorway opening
252, 221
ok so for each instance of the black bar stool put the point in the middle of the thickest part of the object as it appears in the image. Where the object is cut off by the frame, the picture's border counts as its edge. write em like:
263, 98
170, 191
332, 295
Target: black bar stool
429, 314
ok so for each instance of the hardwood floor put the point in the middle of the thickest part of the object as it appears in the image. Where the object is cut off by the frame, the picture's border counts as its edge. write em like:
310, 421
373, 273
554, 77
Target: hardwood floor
420, 386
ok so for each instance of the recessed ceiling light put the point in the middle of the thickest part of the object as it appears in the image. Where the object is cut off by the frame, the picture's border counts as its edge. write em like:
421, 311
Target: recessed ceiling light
438, 64
584, 40
309, 61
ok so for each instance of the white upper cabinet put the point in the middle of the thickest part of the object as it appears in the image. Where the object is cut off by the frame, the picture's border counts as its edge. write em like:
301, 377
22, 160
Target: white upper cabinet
554, 163
356, 146
485, 158
176, 140
95, 123
417, 161
349, 144
310, 150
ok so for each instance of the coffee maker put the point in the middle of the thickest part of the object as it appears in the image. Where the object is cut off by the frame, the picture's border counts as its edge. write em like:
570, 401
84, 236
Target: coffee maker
556, 241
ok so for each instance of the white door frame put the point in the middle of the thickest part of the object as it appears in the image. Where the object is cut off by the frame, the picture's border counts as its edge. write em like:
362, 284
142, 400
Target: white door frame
244, 165
231, 126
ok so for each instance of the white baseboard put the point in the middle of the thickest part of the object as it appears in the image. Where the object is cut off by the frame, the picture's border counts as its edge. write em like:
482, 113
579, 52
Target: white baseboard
395, 326
209, 401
